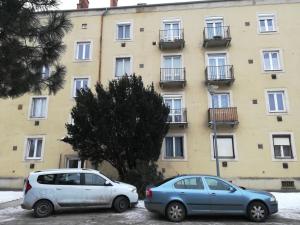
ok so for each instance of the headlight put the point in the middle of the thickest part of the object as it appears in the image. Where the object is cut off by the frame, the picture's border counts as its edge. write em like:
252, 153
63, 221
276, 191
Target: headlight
273, 199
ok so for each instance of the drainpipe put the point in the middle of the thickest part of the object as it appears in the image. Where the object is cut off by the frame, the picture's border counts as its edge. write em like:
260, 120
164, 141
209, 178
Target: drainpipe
101, 34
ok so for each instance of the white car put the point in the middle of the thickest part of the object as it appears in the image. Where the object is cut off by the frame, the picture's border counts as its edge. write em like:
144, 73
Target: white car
50, 190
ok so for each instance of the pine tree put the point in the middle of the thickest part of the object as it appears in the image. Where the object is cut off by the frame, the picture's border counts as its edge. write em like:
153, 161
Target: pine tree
124, 125
30, 38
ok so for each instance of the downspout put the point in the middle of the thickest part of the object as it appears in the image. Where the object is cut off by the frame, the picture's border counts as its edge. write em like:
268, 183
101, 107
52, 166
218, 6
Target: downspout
101, 34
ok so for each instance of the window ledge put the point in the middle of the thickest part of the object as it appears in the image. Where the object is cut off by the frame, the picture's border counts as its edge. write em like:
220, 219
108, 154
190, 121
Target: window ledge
82, 60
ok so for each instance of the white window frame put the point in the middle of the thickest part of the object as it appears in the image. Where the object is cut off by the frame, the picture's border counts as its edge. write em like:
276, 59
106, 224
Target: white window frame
162, 64
234, 146
285, 101
176, 96
294, 151
73, 92
214, 18
266, 16
220, 92
77, 51
163, 150
172, 20
30, 108
43, 72
73, 157
130, 23
26, 150
280, 60
115, 64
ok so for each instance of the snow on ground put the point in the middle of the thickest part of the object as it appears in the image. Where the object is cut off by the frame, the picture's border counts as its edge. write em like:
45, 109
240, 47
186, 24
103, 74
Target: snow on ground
7, 196
288, 205
9, 214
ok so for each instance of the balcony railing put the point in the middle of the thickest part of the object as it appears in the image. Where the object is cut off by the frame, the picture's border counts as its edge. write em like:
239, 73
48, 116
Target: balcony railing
171, 39
219, 75
223, 116
216, 36
178, 117
172, 77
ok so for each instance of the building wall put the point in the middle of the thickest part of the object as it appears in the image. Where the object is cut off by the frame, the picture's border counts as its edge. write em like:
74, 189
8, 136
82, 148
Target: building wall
255, 124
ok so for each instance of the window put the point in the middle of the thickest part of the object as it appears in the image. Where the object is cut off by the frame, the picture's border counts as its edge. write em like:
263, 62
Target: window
176, 111
282, 146
221, 100
83, 50
266, 23
271, 60
216, 184
45, 72
38, 107
124, 30
189, 183
172, 68
171, 31
214, 28
174, 147
46, 179
34, 148
276, 101
217, 66
94, 180
123, 66
67, 179
225, 144
80, 83
73, 162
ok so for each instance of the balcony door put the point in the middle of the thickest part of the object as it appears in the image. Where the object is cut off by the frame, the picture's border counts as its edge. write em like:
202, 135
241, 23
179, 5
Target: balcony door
217, 66
171, 30
221, 100
215, 28
172, 67
175, 105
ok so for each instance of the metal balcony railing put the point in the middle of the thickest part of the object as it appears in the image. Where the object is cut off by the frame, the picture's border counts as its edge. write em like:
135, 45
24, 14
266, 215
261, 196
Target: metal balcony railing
223, 116
216, 36
177, 116
219, 74
172, 74
171, 39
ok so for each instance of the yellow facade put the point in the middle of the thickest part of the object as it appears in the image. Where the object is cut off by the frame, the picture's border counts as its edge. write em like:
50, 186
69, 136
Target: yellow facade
254, 164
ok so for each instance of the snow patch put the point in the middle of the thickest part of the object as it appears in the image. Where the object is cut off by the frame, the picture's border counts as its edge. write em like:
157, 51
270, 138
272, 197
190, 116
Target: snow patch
140, 205
288, 205
7, 196
9, 213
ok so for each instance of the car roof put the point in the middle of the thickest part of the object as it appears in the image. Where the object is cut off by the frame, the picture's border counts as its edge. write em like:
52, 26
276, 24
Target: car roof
64, 170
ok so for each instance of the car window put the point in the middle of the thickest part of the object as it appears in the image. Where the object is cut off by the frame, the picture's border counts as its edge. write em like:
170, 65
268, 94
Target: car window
93, 179
189, 183
216, 184
46, 179
68, 179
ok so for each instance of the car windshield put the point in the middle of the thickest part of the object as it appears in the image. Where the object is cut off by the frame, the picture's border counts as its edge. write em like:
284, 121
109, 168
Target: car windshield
164, 181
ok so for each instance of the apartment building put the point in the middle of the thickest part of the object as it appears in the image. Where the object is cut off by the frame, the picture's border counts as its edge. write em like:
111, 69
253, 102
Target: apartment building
247, 50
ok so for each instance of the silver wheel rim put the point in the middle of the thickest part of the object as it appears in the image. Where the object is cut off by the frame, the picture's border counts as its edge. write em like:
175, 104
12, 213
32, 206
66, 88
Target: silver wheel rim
175, 212
257, 212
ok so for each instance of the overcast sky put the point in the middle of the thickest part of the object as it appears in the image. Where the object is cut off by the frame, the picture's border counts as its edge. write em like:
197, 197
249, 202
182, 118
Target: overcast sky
71, 4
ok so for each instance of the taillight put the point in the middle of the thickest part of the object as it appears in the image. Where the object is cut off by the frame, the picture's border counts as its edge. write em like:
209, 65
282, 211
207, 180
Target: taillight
149, 193
27, 186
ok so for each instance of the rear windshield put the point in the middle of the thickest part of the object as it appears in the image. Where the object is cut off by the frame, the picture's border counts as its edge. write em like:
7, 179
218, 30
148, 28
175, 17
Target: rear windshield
46, 179
163, 182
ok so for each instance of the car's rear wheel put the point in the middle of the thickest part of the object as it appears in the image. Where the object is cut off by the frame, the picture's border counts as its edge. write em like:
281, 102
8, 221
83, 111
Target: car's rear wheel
43, 208
176, 212
257, 212
121, 204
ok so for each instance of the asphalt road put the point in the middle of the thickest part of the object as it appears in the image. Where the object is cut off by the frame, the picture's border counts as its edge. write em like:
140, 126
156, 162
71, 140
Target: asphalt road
17, 216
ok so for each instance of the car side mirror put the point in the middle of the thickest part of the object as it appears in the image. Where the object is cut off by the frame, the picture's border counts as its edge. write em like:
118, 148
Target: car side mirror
232, 189
107, 183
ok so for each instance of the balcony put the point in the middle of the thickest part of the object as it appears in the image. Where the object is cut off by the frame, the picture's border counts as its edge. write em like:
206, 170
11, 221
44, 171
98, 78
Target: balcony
172, 39
219, 75
172, 78
216, 37
178, 118
224, 116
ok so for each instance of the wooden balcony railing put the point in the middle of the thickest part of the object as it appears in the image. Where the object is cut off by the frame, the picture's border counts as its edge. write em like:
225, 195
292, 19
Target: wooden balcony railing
223, 116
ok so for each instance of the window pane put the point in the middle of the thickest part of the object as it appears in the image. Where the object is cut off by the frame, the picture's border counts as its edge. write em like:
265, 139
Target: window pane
119, 67
275, 61
127, 66
189, 183
30, 146
277, 151
46, 179
93, 179
169, 146
73, 163
80, 51
215, 184
179, 146
225, 147
287, 151
271, 102
262, 25
267, 64
68, 179
127, 31
270, 25
39, 148
224, 100
280, 104
120, 32
87, 51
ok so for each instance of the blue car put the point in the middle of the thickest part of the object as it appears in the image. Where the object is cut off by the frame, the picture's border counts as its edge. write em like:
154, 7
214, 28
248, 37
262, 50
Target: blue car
185, 195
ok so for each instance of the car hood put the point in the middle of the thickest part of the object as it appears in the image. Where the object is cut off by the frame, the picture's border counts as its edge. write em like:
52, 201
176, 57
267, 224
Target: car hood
259, 192
121, 184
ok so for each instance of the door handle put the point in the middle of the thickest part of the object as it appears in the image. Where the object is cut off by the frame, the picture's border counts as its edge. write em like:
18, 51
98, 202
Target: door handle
213, 194
87, 189
182, 192
59, 189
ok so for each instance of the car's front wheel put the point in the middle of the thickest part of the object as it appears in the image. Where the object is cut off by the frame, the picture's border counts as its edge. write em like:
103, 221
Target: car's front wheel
121, 204
43, 208
257, 212
176, 212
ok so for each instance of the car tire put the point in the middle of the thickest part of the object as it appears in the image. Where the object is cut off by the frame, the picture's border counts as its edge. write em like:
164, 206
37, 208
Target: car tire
121, 204
257, 212
175, 212
43, 208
